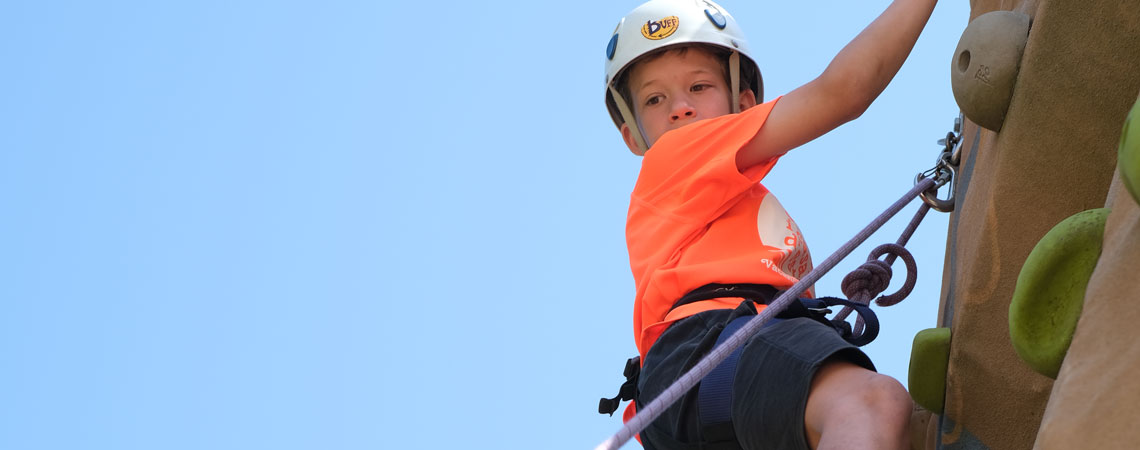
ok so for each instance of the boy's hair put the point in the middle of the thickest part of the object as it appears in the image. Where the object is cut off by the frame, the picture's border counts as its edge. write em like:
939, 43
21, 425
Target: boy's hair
747, 71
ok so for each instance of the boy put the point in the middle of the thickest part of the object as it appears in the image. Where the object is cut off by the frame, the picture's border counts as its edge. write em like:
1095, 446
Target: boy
686, 95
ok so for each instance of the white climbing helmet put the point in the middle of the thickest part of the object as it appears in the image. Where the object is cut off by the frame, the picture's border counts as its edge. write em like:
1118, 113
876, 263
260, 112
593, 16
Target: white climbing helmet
662, 23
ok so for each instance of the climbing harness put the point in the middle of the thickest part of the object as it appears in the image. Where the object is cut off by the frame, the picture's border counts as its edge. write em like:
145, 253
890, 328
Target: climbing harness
861, 286
812, 308
714, 395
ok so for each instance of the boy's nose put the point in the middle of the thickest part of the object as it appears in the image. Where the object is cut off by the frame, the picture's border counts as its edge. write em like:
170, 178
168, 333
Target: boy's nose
682, 111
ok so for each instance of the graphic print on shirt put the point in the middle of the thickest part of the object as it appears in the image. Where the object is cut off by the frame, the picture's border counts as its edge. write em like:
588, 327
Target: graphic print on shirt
777, 229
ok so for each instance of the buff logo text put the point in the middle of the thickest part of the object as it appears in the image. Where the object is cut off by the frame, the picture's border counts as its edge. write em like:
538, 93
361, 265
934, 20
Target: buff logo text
660, 29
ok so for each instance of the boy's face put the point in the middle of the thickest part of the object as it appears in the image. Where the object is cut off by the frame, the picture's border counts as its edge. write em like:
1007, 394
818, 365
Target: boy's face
675, 89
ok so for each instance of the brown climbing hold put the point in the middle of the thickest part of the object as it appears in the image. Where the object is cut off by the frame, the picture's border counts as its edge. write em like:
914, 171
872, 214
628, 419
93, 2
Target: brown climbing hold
985, 66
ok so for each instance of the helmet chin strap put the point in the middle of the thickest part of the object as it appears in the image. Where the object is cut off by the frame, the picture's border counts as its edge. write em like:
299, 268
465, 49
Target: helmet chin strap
734, 76
627, 116
639, 136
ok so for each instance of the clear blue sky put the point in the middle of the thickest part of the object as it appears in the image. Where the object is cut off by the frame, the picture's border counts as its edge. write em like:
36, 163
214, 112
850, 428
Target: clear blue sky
361, 225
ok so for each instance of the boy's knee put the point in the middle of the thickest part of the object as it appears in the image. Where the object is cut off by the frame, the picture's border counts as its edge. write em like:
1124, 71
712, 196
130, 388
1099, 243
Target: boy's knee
857, 408
854, 390
886, 397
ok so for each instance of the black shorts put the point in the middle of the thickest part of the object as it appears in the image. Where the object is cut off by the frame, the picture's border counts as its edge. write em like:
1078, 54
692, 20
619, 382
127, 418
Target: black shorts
770, 387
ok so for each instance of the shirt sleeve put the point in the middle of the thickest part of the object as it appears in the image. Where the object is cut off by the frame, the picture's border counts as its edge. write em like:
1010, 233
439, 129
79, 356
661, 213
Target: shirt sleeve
690, 173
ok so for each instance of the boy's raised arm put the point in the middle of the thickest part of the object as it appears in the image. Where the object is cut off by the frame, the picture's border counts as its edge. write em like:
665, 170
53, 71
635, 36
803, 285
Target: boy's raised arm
856, 76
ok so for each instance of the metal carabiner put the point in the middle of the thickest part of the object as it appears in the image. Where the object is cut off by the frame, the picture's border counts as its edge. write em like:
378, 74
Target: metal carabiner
946, 174
945, 169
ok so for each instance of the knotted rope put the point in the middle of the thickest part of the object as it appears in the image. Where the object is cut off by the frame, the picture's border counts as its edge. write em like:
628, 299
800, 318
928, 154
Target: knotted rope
874, 276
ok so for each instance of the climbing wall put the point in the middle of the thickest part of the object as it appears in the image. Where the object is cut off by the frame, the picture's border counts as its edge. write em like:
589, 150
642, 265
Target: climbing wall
1052, 156
1094, 400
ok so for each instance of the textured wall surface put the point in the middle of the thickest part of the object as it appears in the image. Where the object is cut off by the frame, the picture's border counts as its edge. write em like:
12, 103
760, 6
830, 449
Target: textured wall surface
1054, 156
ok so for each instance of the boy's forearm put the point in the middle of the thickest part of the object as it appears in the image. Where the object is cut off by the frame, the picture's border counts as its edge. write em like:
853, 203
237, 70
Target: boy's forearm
862, 70
855, 77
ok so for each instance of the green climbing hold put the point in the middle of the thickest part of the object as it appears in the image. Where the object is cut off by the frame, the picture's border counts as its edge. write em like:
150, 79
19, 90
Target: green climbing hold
1128, 157
1050, 290
929, 357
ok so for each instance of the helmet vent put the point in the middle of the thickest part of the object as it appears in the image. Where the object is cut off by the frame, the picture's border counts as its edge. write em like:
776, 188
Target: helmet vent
612, 47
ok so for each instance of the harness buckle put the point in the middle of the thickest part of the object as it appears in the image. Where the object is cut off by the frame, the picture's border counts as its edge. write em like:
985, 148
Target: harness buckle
628, 389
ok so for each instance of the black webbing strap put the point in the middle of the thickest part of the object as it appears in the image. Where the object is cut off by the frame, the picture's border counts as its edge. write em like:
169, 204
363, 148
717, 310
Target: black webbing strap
819, 306
813, 308
759, 293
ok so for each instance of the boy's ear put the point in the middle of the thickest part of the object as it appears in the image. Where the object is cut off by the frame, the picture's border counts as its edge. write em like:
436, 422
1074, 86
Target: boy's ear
747, 99
627, 136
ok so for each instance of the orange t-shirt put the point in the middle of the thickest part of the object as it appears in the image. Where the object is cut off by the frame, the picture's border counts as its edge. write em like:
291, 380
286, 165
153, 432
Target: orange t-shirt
695, 219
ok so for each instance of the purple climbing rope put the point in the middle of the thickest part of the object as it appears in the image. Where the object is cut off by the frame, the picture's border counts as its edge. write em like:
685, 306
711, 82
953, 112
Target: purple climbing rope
650, 412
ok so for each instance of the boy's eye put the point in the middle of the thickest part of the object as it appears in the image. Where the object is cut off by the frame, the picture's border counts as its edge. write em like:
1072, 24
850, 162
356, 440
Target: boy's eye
699, 87
653, 100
